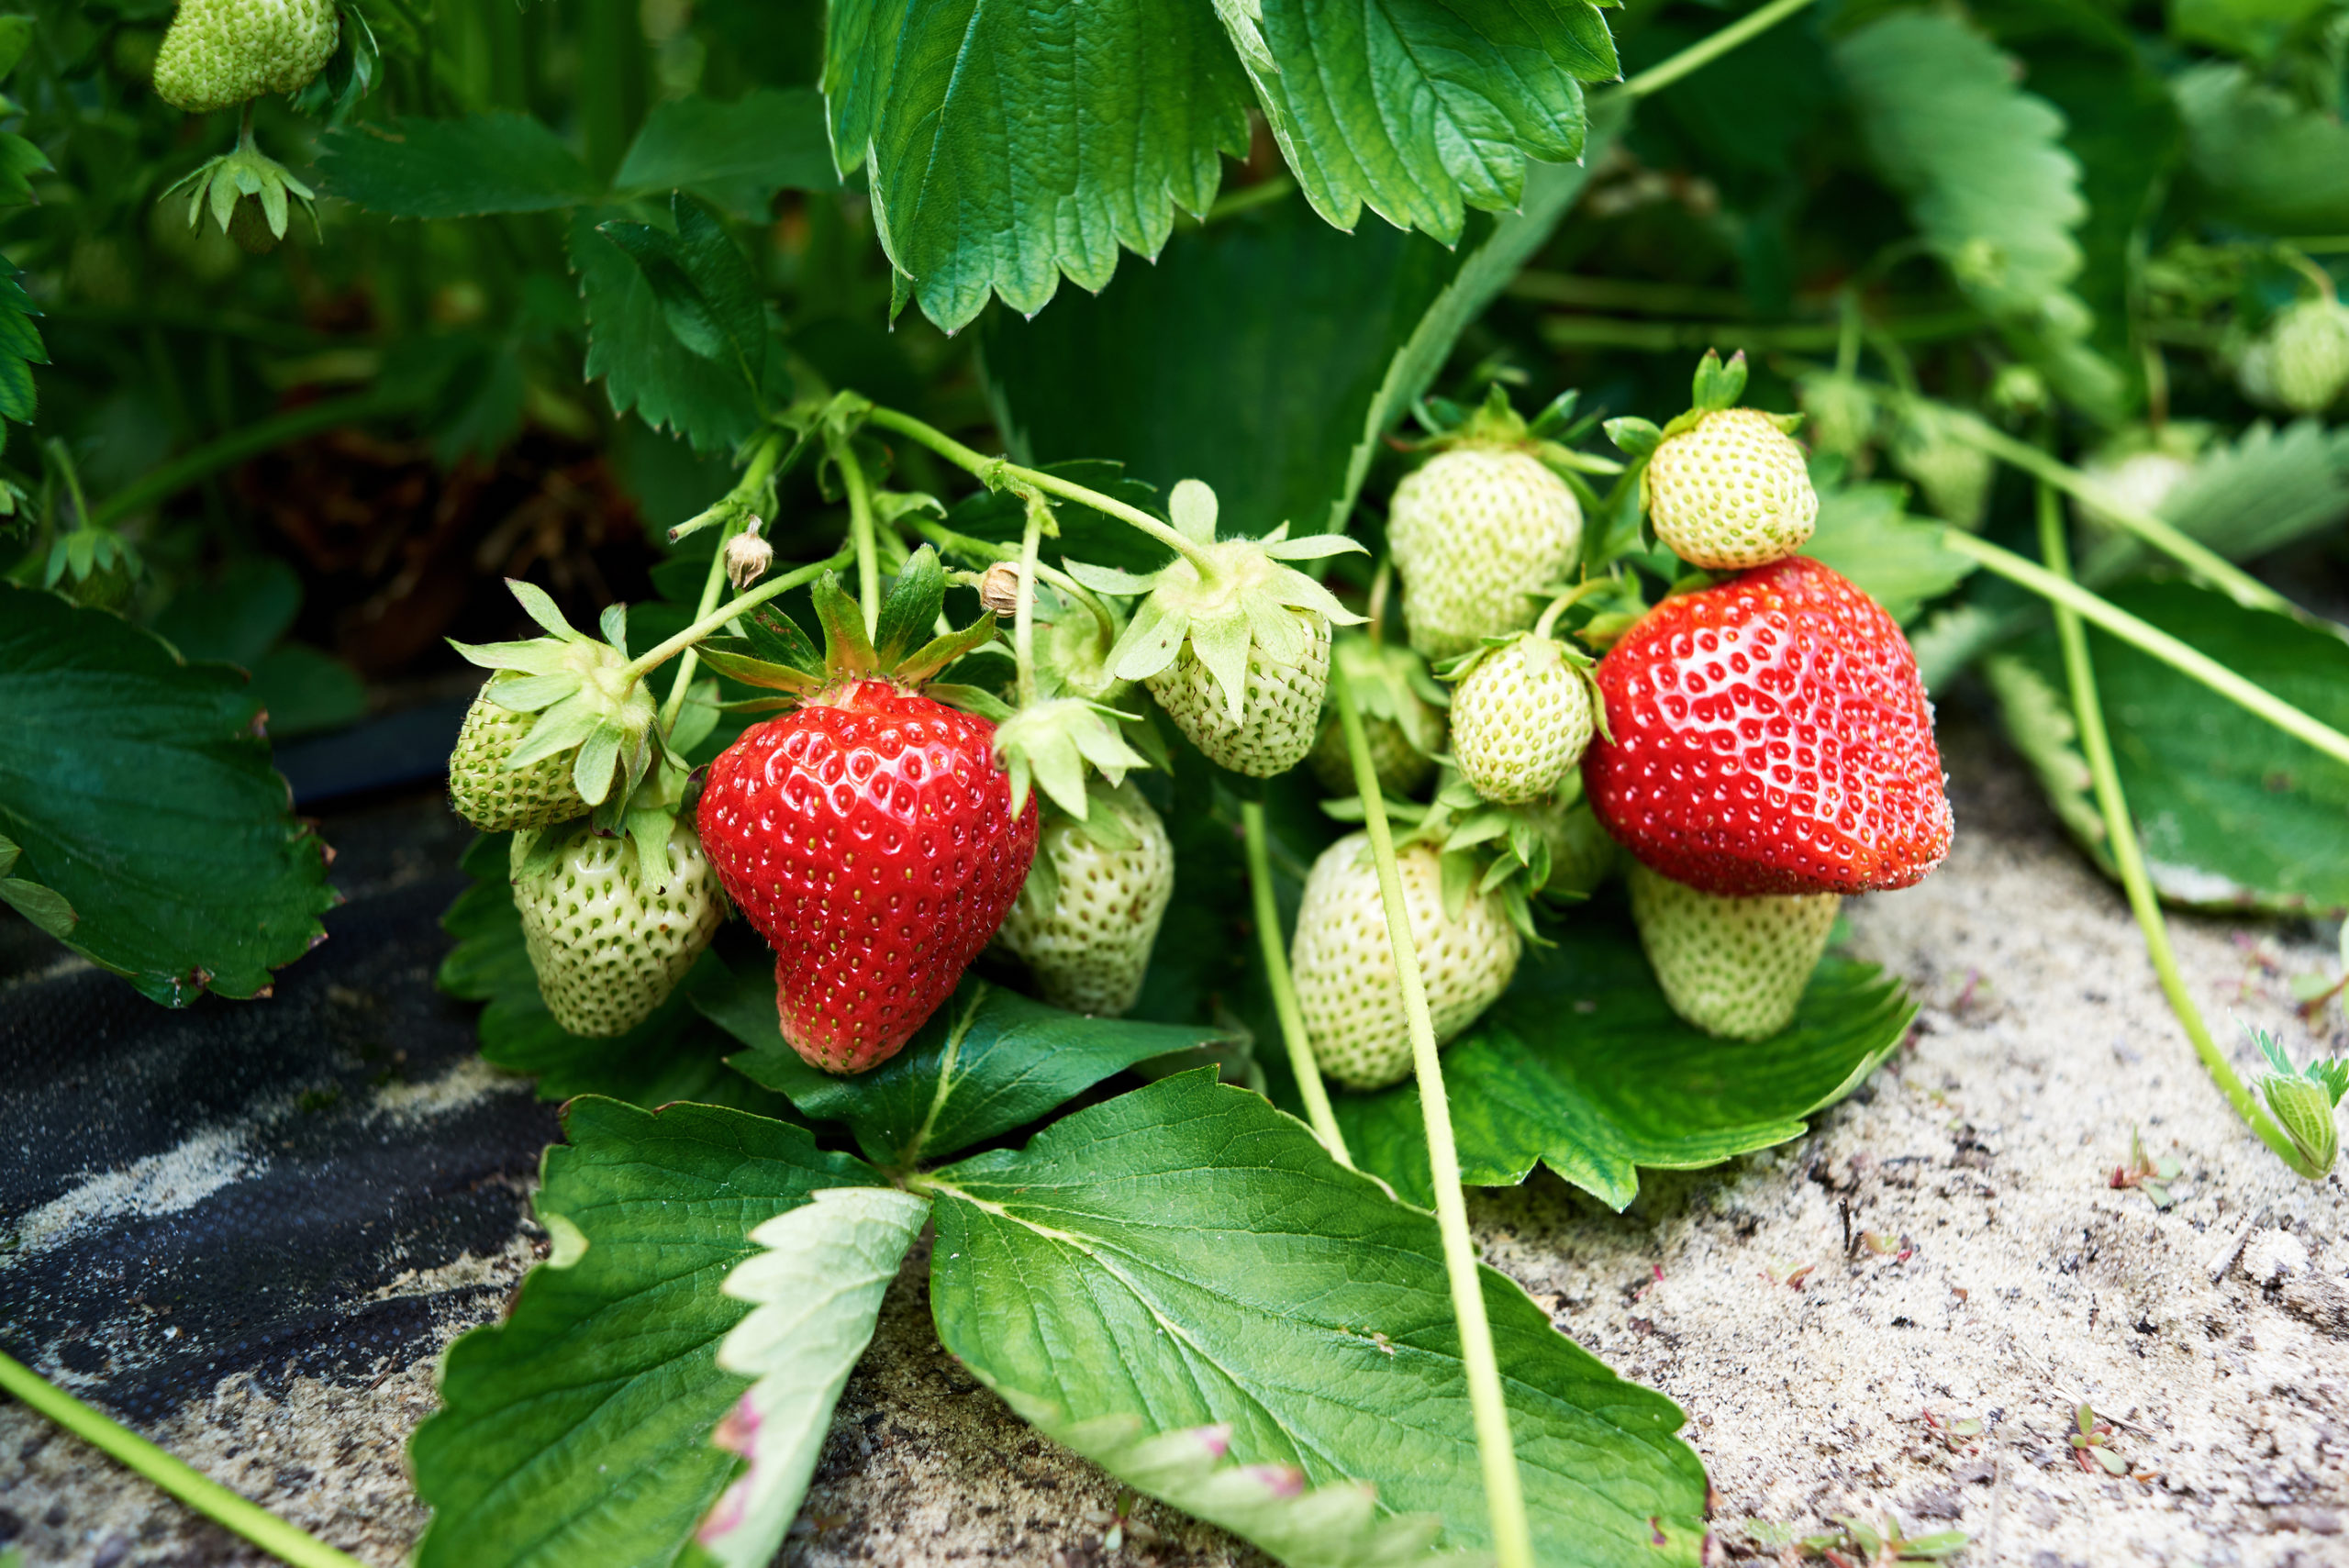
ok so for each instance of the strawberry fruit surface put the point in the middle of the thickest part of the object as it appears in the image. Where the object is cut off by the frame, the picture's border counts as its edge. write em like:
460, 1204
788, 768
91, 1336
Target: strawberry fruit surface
1771, 734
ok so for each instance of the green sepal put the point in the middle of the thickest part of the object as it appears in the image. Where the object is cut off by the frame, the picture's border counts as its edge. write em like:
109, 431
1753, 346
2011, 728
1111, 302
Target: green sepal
971, 699
558, 729
774, 637
911, 609
540, 608
941, 650
531, 694
1717, 385
730, 657
591, 771
2303, 1100
848, 652
1051, 745
1637, 437
613, 623
538, 656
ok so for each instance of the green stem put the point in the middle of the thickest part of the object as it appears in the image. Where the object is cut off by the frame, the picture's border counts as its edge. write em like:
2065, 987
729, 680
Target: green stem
62, 456
1703, 52
1264, 193
860, 528
191, 1487
1023, 617
1301, 1065
2206, 563
763, 459
1847, 333
162, 484
991, 469
946, 538
1638, 297
1504, 1493
653, 658
2187, 661
2128, 858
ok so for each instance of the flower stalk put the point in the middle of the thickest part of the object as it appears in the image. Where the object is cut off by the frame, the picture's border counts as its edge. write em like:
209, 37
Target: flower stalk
2128, 857
1301, 1065
1504, 1491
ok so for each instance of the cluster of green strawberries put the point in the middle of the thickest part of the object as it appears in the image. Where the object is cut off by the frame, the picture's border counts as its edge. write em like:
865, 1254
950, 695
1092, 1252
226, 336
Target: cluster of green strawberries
1749, 751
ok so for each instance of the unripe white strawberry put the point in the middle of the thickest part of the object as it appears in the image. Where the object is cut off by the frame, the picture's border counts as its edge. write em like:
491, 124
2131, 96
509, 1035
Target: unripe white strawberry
2142, 479
494, 797
607, 943
1840, 411
1089, 913
1731, 492
1520, 718
1280, 705
1733, 967
2310, 355
1346, 987
219, 53
1477, 532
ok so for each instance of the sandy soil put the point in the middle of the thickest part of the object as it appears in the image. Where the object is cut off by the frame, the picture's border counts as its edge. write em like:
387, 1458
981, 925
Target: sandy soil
1944, 1246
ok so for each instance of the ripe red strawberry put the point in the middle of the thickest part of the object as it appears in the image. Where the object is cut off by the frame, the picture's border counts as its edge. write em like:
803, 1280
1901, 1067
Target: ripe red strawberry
869, 837
868, 834
1771, 737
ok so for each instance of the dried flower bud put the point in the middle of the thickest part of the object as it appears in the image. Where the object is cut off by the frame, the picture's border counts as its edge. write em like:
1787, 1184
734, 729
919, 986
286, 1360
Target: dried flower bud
1000, 589
748, 556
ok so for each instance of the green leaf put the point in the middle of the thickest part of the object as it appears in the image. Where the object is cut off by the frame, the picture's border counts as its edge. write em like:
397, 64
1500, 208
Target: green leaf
139, 790
908, 616
1989, 185
20, 346
1420, 109
672, 1055
643, 366
1864, 533
2260, 159
303, 690
1265, 354
1008, 144
989, 1061
414, 166
1583, 1067
738, 155
1188, 1256
2255, 29
578, 1430
706, 290
816, 1293
19, 162
235, 617
2232, 813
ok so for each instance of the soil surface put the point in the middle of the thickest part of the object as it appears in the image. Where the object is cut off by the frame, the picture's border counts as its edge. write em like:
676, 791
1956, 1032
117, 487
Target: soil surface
1944, 1248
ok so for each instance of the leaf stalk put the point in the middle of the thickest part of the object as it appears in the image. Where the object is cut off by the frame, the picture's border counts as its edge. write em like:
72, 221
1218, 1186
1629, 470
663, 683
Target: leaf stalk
2128, 856
1301, 1065
1706, 49
763, 459
2199, 559
2187, 661
1504, 1491
994, 470
660, 654
181, 1480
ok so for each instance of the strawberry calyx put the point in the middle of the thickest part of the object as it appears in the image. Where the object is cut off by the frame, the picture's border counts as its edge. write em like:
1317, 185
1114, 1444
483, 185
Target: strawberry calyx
903, 648
1715, 387
581, 691
221, 185
1224, 598
1495, 425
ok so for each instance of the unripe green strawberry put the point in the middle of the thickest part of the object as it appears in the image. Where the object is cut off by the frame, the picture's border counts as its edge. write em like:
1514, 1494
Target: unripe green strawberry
1085, 920
1731, 492
609, 944
1954, 476
219, 53
1404, 728
1520, 718
2311, 349
1346, 988
1279, 706
1581, 854
1841, 412
1477, 533
494, 797
1733, 967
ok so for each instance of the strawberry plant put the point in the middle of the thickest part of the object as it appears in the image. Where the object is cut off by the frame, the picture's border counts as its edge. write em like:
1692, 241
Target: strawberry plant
1387, 682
